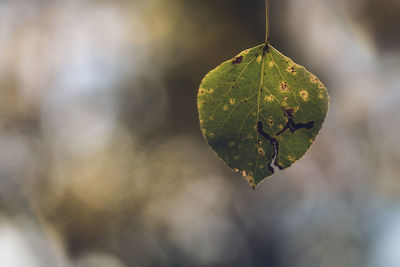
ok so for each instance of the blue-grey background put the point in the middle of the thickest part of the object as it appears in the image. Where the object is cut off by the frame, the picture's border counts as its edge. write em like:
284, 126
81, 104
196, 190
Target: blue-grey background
102, 162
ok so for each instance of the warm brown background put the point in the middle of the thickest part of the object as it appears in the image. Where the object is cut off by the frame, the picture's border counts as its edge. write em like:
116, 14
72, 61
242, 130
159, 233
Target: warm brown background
102, 163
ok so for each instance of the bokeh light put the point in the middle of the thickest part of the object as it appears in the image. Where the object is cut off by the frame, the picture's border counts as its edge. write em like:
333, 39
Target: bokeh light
102, 162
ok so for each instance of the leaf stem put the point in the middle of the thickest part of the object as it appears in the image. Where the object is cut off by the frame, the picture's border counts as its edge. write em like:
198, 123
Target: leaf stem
267, 23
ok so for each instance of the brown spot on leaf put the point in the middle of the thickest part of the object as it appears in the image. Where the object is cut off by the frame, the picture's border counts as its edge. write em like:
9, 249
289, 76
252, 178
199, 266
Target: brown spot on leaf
284, 87
237, 60
313, 78
270, 121
304, 95
291, 69
269, 98
251, 181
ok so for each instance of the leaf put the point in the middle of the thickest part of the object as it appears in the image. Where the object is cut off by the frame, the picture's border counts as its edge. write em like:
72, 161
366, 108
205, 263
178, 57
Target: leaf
261, 110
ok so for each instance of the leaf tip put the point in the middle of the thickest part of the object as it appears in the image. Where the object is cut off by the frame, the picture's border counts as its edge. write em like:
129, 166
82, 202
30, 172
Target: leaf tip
250, 179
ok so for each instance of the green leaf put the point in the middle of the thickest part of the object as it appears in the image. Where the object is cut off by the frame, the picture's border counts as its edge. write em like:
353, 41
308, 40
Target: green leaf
260, 111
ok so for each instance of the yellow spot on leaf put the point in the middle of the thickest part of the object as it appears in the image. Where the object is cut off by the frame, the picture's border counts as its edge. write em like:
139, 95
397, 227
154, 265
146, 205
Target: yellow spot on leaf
270, 121
231, 144
232, 101
203, 91
291, 158
261, 152
269, 98
271, 64
284, 87
304, 95
313, 78
291, 69
211, 135
284, 103
321, 96
259, 59
225, 108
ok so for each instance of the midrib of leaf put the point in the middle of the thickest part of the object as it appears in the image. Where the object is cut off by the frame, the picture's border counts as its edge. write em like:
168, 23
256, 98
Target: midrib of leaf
258, 105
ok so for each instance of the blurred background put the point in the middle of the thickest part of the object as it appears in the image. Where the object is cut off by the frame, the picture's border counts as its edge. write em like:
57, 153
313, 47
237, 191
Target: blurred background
102, 162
